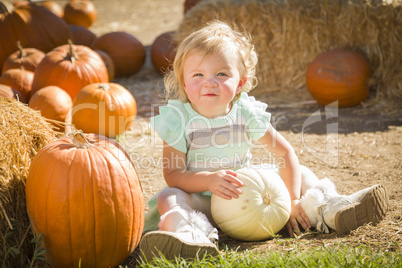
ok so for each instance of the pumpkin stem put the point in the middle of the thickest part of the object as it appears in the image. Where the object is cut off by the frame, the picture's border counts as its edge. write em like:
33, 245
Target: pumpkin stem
72, 53
267, 199
80, 141
104, 86
20, 48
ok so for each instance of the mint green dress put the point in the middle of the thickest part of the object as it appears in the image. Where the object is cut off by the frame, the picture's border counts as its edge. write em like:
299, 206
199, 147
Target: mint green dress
209, 144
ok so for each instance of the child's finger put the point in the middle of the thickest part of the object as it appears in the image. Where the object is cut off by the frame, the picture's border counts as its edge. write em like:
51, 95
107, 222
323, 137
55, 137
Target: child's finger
290, 229
234, 189
302, 222
227, 194
234, 181
230, 172
294, 225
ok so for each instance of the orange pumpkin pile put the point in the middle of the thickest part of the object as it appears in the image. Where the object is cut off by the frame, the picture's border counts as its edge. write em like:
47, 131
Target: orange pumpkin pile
70, 62
33, 26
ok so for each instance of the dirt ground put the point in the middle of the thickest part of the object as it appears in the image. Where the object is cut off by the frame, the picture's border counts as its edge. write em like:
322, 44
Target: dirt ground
355, 147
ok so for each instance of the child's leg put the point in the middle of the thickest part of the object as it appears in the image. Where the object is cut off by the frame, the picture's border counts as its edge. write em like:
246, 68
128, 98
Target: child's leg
184, 230
308, 179
327, 209
174, 199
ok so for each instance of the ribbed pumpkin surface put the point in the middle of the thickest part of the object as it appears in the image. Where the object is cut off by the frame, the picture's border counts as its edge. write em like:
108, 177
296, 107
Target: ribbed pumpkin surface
261, 211
70, 67
87, 202
107, 109
28, 58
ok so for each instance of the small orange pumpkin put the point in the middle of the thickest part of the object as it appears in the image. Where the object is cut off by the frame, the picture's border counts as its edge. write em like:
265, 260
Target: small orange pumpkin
28, 58
53, 103
107, 109
80, 12
53, 6
84, 195
9, 92
127, 52
339, 75
163, 51
20, 80
70, 67
6, 91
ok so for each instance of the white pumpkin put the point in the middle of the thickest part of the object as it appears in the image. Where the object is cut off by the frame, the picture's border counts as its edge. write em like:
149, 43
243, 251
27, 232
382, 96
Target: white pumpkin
261, 211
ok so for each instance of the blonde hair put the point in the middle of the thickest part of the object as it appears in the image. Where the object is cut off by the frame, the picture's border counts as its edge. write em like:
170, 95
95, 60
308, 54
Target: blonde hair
215, 36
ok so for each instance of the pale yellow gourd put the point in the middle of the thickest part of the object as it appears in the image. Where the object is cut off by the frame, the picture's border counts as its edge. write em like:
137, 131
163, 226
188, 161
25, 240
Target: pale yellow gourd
261, 210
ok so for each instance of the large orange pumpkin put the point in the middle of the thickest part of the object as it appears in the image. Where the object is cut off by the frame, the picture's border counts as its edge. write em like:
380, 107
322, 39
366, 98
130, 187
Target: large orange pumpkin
53, 103
34, 26
339, 75
127, 52
107, 109
80, 12
70, 67
28, 58
84, 195
163, 51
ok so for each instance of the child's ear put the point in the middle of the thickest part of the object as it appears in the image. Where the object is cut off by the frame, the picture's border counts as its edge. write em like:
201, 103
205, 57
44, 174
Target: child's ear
242, 82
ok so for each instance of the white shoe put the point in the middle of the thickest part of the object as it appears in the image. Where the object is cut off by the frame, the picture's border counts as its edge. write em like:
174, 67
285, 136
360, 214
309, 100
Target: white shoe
346, 213
328, 210
172, 245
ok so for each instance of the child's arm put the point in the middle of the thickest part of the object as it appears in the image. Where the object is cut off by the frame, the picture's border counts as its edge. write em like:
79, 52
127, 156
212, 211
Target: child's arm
222, 183
290, 174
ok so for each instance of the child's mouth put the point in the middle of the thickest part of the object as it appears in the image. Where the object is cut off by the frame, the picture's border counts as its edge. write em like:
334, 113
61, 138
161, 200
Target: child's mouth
210, 95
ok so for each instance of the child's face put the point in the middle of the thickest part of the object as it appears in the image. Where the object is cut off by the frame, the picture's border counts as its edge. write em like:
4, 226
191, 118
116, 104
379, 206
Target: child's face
212, 81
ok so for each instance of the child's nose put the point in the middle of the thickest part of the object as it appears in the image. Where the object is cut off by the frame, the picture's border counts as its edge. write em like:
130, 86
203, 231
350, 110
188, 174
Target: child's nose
211, 82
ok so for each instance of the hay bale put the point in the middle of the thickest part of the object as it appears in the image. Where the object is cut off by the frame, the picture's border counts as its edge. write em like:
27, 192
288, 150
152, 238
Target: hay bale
23, 132
288, 35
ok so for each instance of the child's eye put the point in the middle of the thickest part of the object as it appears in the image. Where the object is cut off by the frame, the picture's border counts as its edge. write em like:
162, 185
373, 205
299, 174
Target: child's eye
198, 75
221, 74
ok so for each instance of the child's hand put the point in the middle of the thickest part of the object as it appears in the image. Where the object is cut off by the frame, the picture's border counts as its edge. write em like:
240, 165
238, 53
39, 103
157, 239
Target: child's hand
224, 184
297, 216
